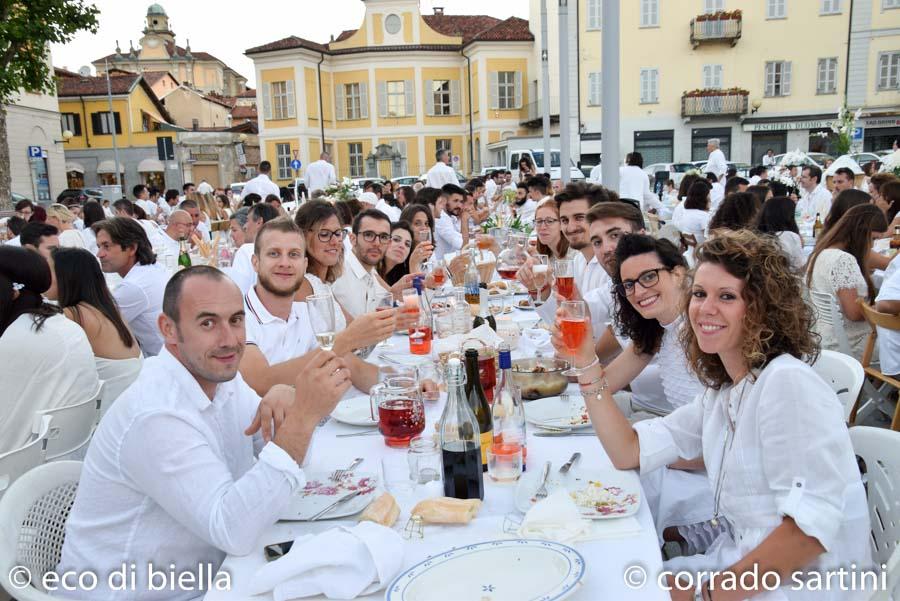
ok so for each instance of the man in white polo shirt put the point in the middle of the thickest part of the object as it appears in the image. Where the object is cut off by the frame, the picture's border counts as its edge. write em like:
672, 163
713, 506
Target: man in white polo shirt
355, 289
241, 270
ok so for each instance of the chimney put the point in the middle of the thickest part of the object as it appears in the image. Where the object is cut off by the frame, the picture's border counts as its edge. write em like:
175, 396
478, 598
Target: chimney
438, 10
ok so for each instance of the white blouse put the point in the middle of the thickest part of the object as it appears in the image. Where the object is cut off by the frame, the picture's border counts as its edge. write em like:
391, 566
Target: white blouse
319, 287
792, 245
693, 221
837, 270
790, 455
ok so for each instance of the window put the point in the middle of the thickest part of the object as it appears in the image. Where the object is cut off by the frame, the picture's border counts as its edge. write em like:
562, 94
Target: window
776, 9
105, 123
595, 89
885, 4
71, 122
889, 71
283, 159
396, 99
595, 14
506, 90
649, 13
712, 77
649, 86
826, 79
711, 6
392, 24
778, 78
356, 159
443, 144
830, 7
440, 96
352, 101
282, 93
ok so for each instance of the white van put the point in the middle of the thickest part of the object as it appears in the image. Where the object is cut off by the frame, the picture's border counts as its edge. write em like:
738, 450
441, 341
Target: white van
537, 157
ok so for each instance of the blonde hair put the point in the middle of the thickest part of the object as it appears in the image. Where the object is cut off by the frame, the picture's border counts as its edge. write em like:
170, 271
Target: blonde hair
61, 212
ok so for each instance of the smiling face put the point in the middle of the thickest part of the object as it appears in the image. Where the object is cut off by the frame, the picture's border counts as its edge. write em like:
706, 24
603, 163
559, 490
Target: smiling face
281, 262
371, 252
717, 311
660, 300
420, 221
605, 236
325, 253
546, 222
400, 245
572, 216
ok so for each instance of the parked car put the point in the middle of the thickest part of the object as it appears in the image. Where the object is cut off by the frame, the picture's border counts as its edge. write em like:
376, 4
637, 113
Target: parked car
537, 157
485, 171
676, 170
864, 158
459, 176
743, 169
406, 180
813, 158
80, 194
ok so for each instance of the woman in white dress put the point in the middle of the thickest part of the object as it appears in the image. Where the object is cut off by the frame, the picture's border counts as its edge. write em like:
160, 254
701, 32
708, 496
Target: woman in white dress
62, 219
81, 292
777, 219
93, 212
770, 431
694, 218
838, 266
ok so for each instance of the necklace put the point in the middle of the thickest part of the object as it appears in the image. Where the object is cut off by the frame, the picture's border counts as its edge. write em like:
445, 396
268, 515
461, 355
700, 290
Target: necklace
730, 427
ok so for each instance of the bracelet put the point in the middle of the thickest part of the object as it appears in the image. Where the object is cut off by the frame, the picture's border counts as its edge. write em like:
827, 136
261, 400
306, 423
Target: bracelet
589, 365
596, 392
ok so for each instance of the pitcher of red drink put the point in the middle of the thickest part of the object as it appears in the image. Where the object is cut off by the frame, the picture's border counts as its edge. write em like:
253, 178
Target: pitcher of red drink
398, 409
487, 366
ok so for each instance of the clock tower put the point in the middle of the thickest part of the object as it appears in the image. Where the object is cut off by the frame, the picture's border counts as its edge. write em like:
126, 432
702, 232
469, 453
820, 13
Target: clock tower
156, 33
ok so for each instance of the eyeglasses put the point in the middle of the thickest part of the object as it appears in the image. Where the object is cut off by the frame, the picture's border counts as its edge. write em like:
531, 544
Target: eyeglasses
370, 236
647, 280
543, 222
399, 240
326, 235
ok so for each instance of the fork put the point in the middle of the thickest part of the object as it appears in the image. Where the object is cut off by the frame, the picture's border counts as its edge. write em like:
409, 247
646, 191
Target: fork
338, 475
541, 492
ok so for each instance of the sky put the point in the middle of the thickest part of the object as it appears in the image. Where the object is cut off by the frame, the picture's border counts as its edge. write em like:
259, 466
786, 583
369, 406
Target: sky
225, 28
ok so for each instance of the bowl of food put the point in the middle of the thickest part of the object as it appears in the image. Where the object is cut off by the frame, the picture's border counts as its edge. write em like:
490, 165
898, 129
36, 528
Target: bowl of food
540, 377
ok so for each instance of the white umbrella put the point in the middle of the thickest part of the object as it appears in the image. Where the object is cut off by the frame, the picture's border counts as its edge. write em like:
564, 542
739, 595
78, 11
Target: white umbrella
844, 161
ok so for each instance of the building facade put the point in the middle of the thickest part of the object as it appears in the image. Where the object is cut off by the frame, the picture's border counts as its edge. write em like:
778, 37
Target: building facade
383, 98
36, 156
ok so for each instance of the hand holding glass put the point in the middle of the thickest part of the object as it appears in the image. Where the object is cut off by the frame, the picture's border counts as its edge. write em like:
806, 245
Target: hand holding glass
321, 315
573, 328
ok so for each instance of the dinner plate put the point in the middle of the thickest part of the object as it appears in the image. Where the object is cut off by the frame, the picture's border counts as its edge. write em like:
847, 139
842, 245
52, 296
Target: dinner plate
404, 359
552, 412
599, 494
320, 492
499, 570
355, 411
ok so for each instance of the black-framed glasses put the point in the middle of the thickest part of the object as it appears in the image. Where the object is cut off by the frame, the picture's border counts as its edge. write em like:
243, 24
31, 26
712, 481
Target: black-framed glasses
326, 235
370, 236
647, 280
543, 222
401, 240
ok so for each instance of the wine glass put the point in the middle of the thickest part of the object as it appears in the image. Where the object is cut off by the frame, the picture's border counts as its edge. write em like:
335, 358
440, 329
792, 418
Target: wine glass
540, 273
423, 235
384, 301
321, 315
438, 272
564, 272
573, 327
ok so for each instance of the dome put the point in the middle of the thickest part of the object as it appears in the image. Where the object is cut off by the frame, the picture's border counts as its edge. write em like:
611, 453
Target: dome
156, 9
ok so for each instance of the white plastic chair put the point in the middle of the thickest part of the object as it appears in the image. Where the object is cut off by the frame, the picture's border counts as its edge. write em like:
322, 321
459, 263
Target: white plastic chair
69, 428
844, 374
17, 462
33, 516
828, 312
879, 448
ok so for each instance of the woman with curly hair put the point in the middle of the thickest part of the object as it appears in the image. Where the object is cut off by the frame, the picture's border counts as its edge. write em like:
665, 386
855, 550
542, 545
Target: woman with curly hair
770, 431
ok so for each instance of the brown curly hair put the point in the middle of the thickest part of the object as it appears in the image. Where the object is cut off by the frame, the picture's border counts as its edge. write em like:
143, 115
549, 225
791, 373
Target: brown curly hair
778, 320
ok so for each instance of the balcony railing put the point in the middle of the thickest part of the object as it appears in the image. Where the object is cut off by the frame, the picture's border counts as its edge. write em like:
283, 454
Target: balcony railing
534, 112
716, 28
704, 103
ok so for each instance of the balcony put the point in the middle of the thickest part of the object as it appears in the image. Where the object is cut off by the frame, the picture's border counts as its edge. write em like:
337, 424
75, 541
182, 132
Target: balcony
533, 113
722, 26
714, 103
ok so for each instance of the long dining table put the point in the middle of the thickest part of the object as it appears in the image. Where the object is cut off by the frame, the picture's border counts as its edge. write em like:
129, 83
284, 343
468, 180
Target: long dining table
609, 561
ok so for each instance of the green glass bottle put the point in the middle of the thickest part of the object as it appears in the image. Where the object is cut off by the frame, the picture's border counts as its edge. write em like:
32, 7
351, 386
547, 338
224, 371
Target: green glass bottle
479, 404
184, 257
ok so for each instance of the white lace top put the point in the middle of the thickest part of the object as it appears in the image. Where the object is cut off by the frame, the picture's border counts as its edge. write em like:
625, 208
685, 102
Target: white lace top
837, 270
320, 287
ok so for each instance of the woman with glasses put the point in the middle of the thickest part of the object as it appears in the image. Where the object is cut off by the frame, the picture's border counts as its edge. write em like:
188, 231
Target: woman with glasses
324, 251
550, 240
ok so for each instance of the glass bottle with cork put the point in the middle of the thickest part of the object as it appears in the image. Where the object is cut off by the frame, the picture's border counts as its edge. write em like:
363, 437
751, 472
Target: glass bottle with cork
479, 404
895, 240
508, 412
461, 450
818, 226
184, 256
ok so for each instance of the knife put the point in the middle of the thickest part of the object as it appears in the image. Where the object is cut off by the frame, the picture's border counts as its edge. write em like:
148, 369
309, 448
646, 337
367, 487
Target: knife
565, 433
343, 499
568, 464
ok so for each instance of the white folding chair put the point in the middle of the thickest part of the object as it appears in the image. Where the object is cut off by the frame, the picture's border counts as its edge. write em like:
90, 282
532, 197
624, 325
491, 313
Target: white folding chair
18, 461
828, 312
70, 428
844, 374
33, 516
879, 448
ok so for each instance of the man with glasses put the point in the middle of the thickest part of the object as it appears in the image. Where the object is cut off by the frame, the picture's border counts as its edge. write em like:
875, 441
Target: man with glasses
355, 289
180, 226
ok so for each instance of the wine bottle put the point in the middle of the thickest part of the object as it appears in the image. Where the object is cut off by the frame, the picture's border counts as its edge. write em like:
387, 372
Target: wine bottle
895, 240
508, 412
184, 257
484, 316
818, 226
460, 440
479, 404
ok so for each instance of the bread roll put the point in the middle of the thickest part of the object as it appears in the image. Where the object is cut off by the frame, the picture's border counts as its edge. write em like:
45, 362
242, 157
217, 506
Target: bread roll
383, 510
447, 510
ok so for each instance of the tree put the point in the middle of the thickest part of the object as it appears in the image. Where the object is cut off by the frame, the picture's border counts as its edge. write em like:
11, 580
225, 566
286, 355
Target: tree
27, 28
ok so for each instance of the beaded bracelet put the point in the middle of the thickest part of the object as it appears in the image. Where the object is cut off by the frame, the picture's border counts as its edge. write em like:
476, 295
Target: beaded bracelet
589, 365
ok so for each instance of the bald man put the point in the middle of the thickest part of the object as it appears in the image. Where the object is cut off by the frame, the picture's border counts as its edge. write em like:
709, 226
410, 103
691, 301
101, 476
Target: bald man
180, 226
320, 174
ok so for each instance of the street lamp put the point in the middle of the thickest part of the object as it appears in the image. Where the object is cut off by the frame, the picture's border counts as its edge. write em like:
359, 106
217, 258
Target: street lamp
66, 136
755, 104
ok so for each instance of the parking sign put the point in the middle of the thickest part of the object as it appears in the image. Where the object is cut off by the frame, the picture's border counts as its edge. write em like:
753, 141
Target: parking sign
35, 152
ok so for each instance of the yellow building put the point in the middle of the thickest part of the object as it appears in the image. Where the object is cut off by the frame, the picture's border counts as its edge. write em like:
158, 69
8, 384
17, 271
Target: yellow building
383, 98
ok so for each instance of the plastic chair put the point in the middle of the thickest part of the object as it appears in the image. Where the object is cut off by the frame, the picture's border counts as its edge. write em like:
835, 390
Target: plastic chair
877, 394
828, 312
70, 428
17, 462
844, 374
33, 516
879, 449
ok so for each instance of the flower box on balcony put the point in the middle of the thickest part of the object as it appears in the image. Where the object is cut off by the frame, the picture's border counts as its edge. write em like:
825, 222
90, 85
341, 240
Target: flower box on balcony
714, 102
720, 26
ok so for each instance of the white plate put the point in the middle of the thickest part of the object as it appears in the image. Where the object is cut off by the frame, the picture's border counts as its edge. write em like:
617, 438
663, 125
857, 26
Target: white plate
320, 492
405, 359
624, 489
354, 411
553, 412
500, 570
530, 307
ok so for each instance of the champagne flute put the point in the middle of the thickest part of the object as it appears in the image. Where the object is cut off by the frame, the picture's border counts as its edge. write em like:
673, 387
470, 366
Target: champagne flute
564, 271
540, 273
384, 301
321, 315
573, 327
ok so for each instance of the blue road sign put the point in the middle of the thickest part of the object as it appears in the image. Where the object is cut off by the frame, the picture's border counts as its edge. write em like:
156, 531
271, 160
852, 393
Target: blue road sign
34, 152
295, 164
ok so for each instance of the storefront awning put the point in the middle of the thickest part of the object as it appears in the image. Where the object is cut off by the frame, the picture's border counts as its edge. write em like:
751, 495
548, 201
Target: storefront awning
150, 166
109, 166
73, 166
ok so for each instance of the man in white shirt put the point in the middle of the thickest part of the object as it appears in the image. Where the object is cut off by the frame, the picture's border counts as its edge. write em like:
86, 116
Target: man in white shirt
142, 199
716, 162
814, 197
180, 226
538, 190
186, 190
768, 159
842, 180
634, 183
716, 191
168, 202
261, 184
241, 270
184, 467
125, 208
42, 238
204, 187
320, 174
491, 187
888, 301
199, 226
123, 248
355, 289
393, 213
451, 228
441, 173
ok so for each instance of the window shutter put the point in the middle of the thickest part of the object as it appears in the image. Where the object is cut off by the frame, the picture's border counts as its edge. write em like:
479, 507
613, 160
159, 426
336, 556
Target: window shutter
454, 97
518, 89
267, 101
494, 85
654, 85
410, 97
770, 79
76, 124
118, 122
95, 122
289, 86
786, 79
717, 76
364, 100
382, 98
340, 106
707, 76
429, 97
645, 87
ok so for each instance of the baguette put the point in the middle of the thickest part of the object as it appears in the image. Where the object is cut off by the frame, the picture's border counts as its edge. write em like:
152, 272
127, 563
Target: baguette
383, 510
447, 510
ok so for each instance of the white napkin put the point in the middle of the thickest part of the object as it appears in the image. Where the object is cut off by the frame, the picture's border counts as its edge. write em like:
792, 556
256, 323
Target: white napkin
341, 563
535, 341
557, 518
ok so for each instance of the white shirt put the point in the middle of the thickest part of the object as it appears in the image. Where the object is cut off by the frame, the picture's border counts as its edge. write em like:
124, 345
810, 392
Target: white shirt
168, 246
14, 241
205, 188
596, 175
139, 297
90, 240
817, 201
634, 184
889, 340
149, 207
393, 213
447, 236
490, 189
768, 161
262, 185
593, 282
202, 230
678, 381
71, 239
526, 211
355, 289
319, 288
164, 207
792, 246
241, 270
716, 196
692, 221
78, 224
50, 368
774, 468
717, 163
440, 175
171, 477
319, 175
278, 340
754, 180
